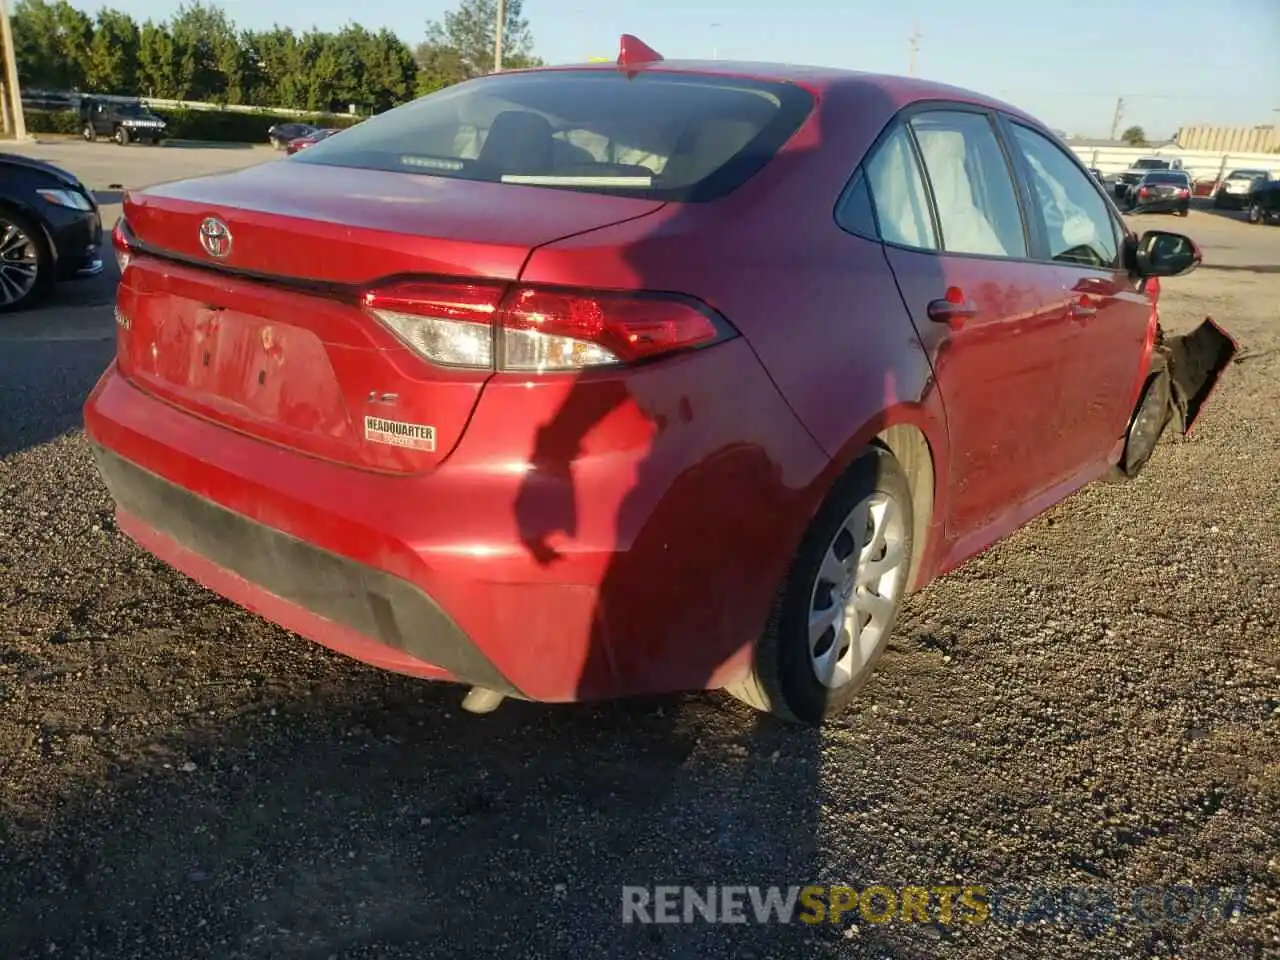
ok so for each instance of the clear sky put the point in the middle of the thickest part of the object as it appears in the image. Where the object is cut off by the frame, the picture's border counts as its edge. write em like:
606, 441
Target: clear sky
1176, 62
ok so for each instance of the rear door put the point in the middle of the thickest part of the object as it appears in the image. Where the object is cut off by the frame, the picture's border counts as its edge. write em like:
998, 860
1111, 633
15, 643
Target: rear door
1106, 321
959, 251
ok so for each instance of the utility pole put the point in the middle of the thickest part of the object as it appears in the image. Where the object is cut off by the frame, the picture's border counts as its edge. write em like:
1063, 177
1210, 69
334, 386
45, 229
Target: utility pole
1115, 120
497, 35
11, 73
913, 44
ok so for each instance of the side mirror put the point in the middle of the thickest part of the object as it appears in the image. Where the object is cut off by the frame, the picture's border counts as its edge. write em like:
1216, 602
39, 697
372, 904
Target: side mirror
1163, 254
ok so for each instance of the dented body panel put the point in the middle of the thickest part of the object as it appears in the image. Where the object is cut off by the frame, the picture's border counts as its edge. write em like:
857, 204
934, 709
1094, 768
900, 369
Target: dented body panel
1196, 361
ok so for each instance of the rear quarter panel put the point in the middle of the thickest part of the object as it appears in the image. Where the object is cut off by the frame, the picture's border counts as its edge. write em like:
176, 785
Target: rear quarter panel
818, 306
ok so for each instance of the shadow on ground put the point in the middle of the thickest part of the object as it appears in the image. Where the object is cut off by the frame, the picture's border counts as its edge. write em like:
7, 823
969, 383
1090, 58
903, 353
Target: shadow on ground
206, 145
375, 816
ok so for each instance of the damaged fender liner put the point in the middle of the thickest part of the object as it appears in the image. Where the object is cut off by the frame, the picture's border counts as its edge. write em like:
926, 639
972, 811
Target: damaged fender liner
370, 602
1195, 362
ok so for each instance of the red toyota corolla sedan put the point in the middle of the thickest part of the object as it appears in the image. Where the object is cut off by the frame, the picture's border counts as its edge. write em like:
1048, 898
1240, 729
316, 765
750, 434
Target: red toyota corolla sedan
584, 382
310, 140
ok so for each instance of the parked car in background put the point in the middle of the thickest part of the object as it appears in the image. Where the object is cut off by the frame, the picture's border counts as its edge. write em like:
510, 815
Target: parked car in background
124, 121
1236, 188
310, 140
50, 230
1139, 169
612, 403
1264, 201
1161, 191
281, 134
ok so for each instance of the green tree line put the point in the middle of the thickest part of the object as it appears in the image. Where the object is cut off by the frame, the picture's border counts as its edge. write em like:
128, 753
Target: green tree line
200, 54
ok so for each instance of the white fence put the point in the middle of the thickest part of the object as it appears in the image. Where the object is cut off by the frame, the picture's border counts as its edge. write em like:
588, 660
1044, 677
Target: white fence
1200, 164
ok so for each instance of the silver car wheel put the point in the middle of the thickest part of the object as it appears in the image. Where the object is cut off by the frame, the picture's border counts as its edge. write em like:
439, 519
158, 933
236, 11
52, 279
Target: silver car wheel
857, 590
19, 263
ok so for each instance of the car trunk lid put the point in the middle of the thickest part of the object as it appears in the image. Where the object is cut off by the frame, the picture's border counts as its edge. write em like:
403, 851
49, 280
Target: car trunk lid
271, 338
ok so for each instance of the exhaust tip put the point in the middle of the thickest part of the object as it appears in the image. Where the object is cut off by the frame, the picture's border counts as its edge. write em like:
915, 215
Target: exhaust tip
482, 700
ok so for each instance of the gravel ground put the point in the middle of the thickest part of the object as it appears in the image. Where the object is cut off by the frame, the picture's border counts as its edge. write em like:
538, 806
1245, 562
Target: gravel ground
1095, 702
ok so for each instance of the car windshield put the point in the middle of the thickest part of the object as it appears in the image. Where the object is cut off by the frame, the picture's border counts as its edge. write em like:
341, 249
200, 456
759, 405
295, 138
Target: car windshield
131, 110
1170, 177
655, 135
1247, 174
1151, 164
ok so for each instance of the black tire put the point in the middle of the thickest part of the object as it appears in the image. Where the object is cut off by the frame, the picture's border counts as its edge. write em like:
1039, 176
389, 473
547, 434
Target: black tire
782, 681
1255, 213
122, 136
1147, 424
89, 134
1184, 211
44, 260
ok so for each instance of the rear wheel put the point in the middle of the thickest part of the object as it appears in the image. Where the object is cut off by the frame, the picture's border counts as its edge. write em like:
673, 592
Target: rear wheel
1255, 213
838, 605
89, 133
26, 265
1184, 211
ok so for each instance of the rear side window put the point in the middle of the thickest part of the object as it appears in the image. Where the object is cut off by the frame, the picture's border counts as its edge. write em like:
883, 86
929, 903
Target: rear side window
655, 135
972, 186
898, 194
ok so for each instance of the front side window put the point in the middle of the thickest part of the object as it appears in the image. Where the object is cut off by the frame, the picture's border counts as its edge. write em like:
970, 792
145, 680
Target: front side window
656, 135
1075, 218
972, 187
898, 194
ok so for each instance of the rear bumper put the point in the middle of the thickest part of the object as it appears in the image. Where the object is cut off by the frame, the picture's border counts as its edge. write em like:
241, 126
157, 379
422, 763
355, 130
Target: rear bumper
645, 562
1162, 206
348, 606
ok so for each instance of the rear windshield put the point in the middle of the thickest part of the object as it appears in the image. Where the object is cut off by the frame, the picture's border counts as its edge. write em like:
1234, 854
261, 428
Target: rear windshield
1247, 174
1151, 165
1171, 177
655, 135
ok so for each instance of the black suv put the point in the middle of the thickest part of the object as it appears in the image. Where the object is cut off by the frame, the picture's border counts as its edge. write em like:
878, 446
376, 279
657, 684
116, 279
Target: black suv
124, 121
1264, 202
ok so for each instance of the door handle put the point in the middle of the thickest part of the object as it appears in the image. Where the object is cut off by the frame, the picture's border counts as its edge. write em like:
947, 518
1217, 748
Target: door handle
945, 311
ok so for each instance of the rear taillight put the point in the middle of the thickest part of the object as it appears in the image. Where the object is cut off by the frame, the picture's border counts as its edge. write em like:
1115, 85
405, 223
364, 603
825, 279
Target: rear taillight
534, 329
1142, 191
449, 324
120, 240
1184, 192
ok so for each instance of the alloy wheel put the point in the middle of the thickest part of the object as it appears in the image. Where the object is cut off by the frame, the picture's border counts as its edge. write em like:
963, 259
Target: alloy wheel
857, 590
19, 263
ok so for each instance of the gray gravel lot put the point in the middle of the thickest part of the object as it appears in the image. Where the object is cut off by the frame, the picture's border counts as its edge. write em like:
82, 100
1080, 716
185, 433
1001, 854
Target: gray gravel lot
1095, 702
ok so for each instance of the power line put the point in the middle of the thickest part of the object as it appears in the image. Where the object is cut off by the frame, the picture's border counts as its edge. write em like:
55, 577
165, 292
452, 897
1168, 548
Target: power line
913, 44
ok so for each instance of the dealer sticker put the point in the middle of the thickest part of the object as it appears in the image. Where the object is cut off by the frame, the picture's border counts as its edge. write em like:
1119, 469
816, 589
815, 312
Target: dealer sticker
415, 436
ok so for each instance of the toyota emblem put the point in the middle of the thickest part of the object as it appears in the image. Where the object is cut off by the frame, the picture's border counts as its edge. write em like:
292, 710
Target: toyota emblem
215, 238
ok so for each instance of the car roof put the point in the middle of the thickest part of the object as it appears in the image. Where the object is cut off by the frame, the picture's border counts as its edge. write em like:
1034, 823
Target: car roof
819, 80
